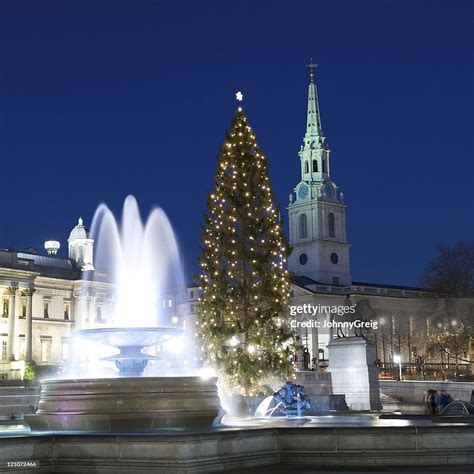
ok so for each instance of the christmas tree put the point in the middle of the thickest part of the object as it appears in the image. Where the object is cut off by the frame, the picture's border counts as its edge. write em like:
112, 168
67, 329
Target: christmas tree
245, 286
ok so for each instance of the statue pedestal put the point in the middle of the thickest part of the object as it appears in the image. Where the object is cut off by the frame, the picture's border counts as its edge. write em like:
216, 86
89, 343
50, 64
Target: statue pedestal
353, 372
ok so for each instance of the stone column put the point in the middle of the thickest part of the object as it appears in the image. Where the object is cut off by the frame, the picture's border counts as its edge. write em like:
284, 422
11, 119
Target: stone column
471, 353
90, 310
299, 352
72, 311
11, 291
315, 345
79, 311
29, 324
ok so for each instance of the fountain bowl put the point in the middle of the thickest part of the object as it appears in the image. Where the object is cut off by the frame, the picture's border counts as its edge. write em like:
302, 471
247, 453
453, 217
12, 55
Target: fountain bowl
130, 360
126, 404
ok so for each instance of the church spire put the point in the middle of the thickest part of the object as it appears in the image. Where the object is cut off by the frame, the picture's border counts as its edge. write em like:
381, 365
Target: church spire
313, 123
316, 211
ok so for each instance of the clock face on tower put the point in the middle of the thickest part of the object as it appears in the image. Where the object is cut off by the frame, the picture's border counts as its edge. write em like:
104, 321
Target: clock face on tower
329, 191
303, 191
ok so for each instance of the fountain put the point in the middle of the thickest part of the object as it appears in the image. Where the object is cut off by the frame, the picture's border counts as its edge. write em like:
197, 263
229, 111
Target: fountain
289, 400
132, 397
130, 361
142, 262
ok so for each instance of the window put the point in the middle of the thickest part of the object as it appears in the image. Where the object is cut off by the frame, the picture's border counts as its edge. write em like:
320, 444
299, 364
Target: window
315, 166
46, 349
191, 295
5, 308
4, 349
23, 307
306, 167
324, 166
335, 280
303, 259
303, 226
332, 225
46, 309
170, 303
67, 309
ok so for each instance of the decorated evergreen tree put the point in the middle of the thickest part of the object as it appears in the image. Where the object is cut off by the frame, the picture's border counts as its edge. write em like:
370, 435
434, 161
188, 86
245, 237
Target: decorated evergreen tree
245, 286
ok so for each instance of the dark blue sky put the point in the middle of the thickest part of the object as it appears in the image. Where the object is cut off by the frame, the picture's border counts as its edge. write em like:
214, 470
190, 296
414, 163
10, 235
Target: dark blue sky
102, 99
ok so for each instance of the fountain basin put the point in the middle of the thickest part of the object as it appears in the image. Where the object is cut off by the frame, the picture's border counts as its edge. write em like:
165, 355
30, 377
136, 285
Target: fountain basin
126, 404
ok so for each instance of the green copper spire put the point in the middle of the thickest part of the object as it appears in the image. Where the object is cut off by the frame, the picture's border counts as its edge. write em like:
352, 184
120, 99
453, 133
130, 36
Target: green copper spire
314, 154
313, 126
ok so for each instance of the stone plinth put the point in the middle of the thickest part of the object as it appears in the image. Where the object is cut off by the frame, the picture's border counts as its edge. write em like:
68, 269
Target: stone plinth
318, 387
125, 404
315, 383
353, 372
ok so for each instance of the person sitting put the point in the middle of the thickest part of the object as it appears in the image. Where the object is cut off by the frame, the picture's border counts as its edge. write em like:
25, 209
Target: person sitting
430, 402
443, 400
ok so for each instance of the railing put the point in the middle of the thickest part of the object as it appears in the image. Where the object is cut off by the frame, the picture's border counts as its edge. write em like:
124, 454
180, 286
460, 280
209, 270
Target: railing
427, 371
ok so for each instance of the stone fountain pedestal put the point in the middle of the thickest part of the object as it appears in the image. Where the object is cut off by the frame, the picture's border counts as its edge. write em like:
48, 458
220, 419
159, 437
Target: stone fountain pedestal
126, 404
353, 372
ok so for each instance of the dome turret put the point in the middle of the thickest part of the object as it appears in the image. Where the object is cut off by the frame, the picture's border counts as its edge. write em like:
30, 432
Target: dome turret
80, 231
81, 246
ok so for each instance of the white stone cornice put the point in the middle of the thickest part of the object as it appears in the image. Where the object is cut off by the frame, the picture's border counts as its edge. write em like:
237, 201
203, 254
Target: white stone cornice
17, 274
52, 321
85, 284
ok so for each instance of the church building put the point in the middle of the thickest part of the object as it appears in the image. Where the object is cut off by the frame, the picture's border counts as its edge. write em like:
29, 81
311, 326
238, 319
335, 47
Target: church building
321, 271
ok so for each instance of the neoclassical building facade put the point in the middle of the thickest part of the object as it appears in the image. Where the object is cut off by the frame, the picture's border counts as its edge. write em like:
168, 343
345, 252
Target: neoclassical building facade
43, 298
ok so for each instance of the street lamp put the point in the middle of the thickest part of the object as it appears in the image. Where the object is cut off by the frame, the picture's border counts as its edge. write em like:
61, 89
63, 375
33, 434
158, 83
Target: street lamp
398, 360
454, 324
382, 323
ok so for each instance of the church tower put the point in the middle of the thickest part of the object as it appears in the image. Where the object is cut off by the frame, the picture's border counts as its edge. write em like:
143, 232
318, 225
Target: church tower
317, 213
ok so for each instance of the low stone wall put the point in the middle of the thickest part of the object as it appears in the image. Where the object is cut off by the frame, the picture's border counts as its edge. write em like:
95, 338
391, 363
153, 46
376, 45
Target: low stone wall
18, 400
227, 448
413, 391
